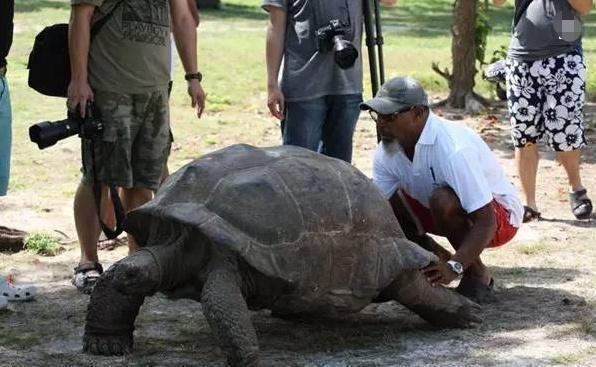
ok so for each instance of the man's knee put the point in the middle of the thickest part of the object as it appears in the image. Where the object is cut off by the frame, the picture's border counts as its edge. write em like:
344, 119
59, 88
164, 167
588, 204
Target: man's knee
444, 202
444, 198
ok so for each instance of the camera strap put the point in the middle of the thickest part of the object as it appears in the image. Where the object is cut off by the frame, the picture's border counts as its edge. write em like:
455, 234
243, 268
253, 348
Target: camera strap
520, 8
110, 233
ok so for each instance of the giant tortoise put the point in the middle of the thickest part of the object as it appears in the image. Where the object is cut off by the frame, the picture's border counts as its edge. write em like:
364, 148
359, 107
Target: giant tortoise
280, 228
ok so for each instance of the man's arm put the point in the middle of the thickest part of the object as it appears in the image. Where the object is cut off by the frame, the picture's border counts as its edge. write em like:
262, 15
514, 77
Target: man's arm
583, 7
192, 5
484, 225
276, 37
79, 34
499, 2
185, 35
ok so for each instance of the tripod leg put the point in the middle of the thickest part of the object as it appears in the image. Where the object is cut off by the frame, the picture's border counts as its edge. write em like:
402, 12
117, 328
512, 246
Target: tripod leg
379, 41
370, 44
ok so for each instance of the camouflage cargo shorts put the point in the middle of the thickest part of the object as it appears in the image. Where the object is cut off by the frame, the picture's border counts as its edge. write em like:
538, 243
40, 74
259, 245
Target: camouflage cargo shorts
135, 144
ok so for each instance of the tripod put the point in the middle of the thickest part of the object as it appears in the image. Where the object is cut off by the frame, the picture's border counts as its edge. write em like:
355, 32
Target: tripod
374, 43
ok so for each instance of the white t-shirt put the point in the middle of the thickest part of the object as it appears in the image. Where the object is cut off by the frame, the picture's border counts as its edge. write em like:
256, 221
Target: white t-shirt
447, 154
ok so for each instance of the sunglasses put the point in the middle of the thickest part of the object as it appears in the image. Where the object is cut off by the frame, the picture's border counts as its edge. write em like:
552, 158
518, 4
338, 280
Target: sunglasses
377, 117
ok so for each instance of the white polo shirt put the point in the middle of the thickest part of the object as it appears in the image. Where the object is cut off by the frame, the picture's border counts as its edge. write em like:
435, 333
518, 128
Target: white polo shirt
447, 154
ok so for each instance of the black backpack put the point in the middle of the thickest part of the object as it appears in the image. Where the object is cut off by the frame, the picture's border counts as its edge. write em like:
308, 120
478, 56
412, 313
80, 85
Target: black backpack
49, 62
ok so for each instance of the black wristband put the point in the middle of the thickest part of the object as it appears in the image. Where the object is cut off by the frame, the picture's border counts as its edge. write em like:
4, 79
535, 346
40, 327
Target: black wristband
198, 76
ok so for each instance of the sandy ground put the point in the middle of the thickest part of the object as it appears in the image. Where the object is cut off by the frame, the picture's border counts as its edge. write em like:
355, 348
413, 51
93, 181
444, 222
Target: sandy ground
545, 314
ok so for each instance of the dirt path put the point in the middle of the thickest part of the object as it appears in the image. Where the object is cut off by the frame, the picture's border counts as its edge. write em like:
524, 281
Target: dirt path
545, 315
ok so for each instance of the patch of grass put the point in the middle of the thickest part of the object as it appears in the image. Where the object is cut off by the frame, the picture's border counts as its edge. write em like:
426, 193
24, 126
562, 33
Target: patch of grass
574, 358
588, 327
16, 337
533, 248
43, 244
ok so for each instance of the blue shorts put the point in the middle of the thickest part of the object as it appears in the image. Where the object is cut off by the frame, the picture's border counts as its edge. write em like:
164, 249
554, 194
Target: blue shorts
5, 135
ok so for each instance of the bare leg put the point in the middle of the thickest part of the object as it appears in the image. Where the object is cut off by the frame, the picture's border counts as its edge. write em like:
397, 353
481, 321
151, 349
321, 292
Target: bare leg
228, 315
438, 305
87, 223
107, 209
132, 198
527, 167
452, 221
413, 228
571, 162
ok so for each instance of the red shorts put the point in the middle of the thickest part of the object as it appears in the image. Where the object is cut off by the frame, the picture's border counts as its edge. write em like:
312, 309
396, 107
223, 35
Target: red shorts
505, 230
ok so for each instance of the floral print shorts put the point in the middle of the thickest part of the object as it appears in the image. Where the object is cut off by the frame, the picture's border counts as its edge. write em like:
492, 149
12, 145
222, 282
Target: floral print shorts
545, 99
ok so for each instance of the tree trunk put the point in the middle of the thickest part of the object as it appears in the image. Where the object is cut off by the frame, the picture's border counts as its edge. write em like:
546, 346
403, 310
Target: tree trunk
463, 54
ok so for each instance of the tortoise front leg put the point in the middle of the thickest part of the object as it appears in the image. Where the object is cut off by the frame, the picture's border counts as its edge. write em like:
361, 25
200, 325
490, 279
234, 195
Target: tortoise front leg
438, 305
110, 318
228, 315
115, 303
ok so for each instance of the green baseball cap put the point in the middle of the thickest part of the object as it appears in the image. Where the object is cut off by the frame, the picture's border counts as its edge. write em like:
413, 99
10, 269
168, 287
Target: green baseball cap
395, 95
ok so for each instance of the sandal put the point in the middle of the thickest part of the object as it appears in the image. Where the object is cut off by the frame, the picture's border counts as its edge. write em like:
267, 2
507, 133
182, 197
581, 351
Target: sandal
109, 244
13, 293
477, 291
581, 205
530, 214
86, 275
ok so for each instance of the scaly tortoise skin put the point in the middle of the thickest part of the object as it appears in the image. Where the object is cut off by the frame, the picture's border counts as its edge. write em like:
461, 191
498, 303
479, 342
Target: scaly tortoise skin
281, 228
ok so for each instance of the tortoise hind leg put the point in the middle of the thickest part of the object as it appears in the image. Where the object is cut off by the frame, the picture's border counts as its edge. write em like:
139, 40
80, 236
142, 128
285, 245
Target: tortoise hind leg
438, 305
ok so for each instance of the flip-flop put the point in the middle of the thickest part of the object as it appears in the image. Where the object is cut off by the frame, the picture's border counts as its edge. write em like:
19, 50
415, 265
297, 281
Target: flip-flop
477, 291
530, 214
581, 205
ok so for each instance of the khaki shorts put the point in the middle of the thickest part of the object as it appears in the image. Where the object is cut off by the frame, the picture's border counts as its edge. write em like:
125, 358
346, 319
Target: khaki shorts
135, 144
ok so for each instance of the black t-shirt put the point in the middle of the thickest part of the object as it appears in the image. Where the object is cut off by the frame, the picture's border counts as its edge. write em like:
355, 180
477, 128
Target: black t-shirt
6, 26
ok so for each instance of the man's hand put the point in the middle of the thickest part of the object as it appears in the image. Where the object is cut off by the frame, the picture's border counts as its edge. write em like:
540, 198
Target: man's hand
197, 96
438, 273
276, 102
388, 2
78, 94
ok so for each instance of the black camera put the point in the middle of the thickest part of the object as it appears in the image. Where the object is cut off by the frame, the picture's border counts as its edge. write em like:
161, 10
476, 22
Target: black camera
47, 133
331, 37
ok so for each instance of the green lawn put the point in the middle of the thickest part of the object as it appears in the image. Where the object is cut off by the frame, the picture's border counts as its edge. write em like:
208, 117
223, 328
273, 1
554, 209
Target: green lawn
231, 57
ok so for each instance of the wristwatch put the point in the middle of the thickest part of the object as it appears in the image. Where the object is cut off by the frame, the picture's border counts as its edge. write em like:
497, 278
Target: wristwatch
198, 76
455, 267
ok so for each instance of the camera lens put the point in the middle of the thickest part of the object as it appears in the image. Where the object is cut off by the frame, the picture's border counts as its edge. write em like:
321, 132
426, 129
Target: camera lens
345, 52
46, 134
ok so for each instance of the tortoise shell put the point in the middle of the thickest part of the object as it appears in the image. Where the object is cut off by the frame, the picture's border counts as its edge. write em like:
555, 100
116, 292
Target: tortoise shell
290, 213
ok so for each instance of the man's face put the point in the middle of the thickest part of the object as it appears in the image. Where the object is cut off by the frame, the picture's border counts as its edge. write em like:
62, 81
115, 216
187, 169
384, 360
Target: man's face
397, 126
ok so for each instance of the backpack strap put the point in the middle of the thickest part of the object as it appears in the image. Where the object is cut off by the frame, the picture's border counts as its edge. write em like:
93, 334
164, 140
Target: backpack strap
98, 25
520, 8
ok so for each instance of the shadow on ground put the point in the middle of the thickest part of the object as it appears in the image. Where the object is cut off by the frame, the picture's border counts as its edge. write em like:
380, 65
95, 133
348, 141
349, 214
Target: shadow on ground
170, 333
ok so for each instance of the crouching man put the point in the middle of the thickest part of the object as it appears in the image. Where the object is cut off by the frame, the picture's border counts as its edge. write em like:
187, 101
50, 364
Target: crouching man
441, 178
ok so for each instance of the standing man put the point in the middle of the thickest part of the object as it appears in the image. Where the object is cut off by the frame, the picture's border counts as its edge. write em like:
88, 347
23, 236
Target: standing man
546, 80
441, 177
317, 99
6, 27
125, 72
8, 291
